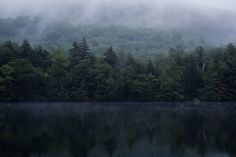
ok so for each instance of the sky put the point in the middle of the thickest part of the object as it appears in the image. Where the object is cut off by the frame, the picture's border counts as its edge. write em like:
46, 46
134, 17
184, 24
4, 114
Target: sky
151, 13
14, 7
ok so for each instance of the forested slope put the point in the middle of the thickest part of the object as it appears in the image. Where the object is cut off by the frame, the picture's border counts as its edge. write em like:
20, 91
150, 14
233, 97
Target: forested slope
142, 42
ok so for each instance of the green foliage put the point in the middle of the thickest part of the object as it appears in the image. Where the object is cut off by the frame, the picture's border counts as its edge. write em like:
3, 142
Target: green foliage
74, 55
6, 83
110, 57
79, 52
26, 49
150, 68
81, 80
56, 84
106, 85
84, 50
22, 81
192, 77
33, 74
220, 79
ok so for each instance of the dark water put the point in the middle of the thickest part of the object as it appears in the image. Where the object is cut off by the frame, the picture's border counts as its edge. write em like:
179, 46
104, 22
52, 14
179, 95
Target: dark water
117, 130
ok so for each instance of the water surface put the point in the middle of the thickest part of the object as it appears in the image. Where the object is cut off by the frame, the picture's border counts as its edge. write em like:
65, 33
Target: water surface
117, 130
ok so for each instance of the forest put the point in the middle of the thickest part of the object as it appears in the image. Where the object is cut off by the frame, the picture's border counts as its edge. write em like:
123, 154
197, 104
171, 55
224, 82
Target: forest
32, 73
140, 41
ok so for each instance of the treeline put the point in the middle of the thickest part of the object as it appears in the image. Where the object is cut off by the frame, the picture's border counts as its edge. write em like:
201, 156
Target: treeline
34, 74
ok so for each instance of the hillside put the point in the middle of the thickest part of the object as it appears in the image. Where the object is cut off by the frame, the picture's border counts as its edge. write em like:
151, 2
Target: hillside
140, 41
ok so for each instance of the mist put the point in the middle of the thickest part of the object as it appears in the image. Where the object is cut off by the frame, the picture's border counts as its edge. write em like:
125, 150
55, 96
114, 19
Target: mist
164, 23
160, 14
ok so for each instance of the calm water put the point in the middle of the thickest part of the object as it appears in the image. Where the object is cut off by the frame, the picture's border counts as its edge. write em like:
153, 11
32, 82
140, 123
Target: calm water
117, 130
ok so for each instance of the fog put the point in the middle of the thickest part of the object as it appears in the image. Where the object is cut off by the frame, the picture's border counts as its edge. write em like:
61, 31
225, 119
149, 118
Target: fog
140, 13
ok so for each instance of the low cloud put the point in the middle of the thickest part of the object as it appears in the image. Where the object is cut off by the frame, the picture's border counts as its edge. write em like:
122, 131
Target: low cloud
148, 13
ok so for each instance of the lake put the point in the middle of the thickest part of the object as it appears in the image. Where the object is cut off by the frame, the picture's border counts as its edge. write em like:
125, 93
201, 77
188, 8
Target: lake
117, 129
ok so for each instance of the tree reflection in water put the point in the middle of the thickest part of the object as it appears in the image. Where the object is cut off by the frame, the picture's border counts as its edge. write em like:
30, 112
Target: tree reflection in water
117, 130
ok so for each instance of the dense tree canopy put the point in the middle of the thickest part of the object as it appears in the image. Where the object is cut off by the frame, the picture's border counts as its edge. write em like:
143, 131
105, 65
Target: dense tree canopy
33, 74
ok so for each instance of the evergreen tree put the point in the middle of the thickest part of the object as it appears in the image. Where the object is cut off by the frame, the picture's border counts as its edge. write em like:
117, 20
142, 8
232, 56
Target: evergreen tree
130, 60
200, 59
6, 55
74, 55
82, 82
121, 60
192, 78
28, 73
220, 79
229, 71
171, 79
214, 89
150, 68
26, 49
7, 88
56, 84
106, 85
84, 50
8, 44
110, 57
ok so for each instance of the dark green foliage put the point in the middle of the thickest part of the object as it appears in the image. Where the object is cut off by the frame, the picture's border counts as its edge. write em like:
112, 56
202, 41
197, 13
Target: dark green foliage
192, 77
110, 57
84, 50
171, 84
26, 49
106, 83
171, 78
200, 59
32, 74
82, 80
150, 68
56, 77
74, 55
79, 52
21, 81
220, 80
40, 58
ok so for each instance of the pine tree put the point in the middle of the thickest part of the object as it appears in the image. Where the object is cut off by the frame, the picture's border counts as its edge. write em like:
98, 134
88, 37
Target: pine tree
74, 55
171, 79
8, 44
214, 86
192, 77
26, 49
201, 59
110, 57
84, 50
150, 67
130, 60
229, 71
